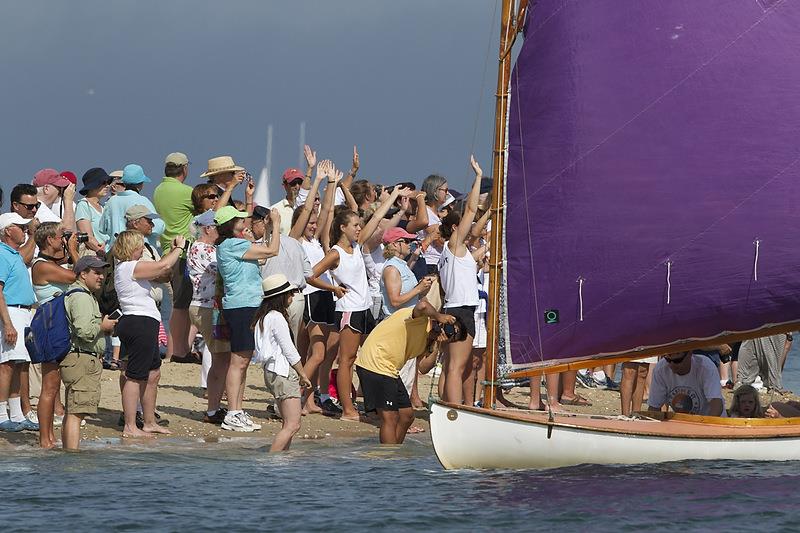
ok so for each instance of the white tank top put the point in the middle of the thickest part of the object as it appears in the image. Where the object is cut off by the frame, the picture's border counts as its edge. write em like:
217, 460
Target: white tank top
458, 276
352, 274
432, 253
374, 263
315, 254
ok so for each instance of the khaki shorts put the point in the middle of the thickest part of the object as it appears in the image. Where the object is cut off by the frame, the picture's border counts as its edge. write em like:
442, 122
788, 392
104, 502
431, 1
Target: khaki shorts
282, 387
80, 373
201, 317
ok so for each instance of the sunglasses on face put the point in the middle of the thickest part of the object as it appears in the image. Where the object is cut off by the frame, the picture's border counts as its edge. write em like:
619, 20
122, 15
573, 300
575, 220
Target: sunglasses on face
211, 196
677, 360
30, 207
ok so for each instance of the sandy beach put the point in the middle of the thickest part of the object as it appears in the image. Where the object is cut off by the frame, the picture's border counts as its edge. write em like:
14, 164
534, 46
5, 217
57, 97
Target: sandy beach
180, 400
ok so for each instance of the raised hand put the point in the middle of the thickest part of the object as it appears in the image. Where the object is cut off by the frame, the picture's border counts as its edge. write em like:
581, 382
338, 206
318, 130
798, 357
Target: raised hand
311, 156
69, 192
251, 188
404, 203
324, 169
356, 161
475, 166
275, 216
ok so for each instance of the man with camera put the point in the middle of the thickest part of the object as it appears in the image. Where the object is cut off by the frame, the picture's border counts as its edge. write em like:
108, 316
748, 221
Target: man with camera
408, 333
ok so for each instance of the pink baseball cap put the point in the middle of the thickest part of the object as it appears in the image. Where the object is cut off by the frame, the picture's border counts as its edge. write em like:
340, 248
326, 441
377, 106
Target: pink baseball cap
292, 174
395, 234
73, 179
49, 176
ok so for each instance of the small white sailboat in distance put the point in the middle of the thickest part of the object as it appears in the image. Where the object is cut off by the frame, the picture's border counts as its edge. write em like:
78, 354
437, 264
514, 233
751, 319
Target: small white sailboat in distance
261, 195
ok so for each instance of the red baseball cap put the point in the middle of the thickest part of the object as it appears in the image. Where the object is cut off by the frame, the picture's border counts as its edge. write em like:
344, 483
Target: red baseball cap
70, 176
49, 176
395, 234
292, 174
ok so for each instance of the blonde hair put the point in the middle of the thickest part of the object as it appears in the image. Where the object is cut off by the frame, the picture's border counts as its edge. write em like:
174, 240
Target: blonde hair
390, 251
127, 242
744, 390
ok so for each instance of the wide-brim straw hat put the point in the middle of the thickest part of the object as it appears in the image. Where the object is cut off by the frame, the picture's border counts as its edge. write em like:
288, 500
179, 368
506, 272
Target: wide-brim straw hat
276, 284
218, 165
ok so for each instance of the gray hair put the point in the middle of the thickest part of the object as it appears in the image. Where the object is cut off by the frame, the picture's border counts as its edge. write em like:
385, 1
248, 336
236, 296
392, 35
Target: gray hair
431, 186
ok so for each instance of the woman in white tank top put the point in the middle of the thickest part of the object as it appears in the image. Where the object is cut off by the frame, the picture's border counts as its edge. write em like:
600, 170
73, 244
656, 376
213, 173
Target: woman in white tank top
346, 264
458, 274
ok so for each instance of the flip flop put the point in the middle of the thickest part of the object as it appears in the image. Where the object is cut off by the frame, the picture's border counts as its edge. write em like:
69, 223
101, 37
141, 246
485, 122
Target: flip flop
576, 401
415, 429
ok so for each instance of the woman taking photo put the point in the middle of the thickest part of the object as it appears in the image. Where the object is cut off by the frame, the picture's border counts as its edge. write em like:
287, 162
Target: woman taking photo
237, 263
345, 263
275, 350
89, 210
137, 329
458, 272
50, 278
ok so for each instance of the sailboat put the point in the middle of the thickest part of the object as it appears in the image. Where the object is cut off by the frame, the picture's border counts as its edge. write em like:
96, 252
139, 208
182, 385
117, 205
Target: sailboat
646, 171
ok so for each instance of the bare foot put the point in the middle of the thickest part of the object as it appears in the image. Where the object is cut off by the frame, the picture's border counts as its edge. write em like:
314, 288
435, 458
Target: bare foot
351, 417
311, 407
135, 433
415, 429
155, 428
49, 445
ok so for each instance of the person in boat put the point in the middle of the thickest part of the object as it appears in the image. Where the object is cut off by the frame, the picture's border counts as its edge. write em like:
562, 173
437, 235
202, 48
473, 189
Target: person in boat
687, 383
409, 333
790, 409
745, 403
762, 357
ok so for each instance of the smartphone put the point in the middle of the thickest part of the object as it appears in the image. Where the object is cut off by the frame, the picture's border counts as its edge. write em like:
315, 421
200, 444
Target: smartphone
115, 314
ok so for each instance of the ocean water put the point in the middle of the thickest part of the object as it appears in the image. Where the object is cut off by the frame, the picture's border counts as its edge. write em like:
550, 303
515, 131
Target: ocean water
183, 485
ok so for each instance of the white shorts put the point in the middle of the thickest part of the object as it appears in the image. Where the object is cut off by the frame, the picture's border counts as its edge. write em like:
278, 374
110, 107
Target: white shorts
480, 330
21, 319
408, 373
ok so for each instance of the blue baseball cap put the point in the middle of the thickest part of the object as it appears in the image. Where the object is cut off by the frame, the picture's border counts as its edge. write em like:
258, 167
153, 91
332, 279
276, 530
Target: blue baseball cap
205, 219
133, 175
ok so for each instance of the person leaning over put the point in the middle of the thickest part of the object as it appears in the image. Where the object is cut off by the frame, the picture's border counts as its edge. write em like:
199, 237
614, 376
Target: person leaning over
409, 333
688, 383
81, 367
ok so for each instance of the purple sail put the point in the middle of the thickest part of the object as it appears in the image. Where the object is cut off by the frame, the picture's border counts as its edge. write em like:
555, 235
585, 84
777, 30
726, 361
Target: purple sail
652, 191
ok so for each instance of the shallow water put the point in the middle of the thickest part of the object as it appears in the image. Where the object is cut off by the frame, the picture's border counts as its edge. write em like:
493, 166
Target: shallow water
328, 484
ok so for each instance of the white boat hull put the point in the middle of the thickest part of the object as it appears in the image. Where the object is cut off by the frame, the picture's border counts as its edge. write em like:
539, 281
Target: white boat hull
478, 438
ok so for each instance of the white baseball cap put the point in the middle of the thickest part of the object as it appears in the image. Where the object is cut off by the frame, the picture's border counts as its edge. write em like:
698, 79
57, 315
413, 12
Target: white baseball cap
8, 219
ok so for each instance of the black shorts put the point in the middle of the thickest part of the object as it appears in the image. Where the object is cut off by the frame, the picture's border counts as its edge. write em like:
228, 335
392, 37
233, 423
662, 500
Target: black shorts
382, 392
466, 314
138, 336
320, 308
242, 337
359, 321
181, 286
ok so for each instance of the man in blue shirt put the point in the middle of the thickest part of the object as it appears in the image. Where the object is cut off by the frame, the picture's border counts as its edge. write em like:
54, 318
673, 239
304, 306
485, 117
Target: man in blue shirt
112, 222
16, 300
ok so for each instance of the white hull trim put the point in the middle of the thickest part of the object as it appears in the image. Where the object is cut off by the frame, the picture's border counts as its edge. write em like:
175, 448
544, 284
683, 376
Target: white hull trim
469, 439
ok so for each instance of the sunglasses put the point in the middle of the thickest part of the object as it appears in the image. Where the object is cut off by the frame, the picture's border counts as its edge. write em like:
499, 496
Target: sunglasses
211, 196
677, 360
29, 207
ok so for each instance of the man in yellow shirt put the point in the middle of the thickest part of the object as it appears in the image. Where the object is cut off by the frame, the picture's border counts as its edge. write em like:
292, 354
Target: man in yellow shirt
406, 334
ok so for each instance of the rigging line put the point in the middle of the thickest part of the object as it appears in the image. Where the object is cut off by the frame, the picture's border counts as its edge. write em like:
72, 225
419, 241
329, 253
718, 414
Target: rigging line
755, 262
691, 241
652, 104
528, 223
669, 284
483, 80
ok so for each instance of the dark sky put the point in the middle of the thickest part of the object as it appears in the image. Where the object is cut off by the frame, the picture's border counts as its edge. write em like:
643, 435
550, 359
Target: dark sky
110, 82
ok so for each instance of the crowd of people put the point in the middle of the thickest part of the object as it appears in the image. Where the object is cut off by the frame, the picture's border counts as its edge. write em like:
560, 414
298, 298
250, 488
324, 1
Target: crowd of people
340, 277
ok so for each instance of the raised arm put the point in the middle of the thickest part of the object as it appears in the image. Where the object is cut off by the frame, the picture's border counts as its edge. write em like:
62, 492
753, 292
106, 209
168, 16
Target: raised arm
372, 225
348, 181
471, 207
311, 162
297, 230
68, 208
226, 194
257, 252
420, 221
249, 193
151, 270
348, 197
326, 212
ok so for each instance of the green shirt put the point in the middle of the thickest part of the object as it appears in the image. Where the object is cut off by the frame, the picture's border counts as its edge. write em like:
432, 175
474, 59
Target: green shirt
84, 321
173, 202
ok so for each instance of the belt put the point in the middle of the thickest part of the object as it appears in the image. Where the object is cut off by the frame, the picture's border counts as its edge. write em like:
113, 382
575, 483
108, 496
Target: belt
81, 352
20, 306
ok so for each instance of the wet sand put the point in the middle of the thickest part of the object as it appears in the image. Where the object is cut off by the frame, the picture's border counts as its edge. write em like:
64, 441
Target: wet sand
180, 400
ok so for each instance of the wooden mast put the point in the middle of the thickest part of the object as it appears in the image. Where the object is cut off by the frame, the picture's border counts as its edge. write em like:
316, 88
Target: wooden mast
508, 29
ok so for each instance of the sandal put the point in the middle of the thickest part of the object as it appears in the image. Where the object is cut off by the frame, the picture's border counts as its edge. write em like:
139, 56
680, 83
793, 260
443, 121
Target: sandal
188, 358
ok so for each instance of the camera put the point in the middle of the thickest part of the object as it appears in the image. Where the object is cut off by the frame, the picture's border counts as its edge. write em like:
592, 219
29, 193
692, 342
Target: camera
81, 237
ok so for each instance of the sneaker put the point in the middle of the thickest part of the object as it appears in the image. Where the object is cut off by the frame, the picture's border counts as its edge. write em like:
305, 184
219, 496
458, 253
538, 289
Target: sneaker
598, 384
586, 381
237, 422
217, 418
33, 417
256, 425
58, 421
611, 384
10, 426
331, 408
27, 425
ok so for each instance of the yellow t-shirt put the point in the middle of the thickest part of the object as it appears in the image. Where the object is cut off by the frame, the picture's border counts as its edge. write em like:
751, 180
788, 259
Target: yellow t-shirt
393, 342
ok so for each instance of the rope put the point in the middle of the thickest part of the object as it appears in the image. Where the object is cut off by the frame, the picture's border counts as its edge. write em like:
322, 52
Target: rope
757, 243
669, 284
580, 295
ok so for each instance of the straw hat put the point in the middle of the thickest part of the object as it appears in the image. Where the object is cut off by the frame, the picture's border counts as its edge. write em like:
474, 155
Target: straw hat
276, 284
218, 165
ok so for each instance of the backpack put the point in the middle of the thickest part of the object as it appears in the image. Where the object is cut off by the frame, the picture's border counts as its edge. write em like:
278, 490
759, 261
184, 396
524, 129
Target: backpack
48, 338
107, 297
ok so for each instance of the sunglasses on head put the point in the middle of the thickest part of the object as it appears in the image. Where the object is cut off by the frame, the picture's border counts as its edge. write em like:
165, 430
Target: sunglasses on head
677, 360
